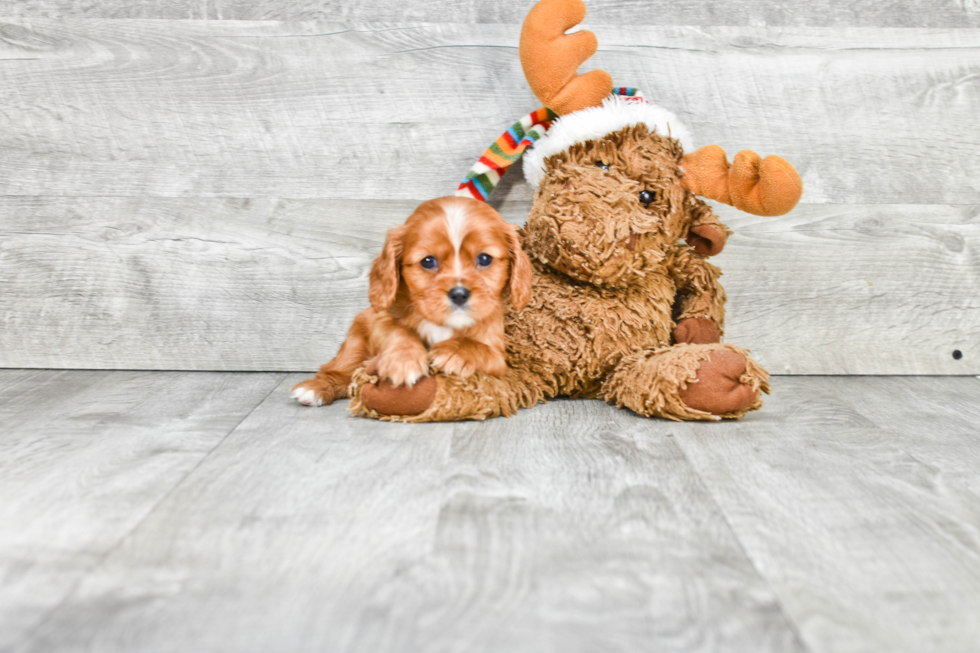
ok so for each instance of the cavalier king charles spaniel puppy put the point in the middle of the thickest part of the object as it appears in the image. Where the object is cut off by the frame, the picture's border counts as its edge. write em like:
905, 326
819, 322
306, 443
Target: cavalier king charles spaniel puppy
437, 295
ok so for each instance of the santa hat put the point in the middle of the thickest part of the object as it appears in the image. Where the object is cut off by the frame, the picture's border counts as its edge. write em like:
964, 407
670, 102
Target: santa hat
580, 109
546, 135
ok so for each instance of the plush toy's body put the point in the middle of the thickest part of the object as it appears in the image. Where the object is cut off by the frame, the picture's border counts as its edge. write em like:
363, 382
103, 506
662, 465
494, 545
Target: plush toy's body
610, 272
599, 343
624, 305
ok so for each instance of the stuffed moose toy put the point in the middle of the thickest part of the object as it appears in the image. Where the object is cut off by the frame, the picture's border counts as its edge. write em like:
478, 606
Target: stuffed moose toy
624, 306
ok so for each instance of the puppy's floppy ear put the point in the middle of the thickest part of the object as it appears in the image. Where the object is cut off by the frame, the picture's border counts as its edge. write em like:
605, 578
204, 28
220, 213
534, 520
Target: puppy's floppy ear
385, 276
521, 272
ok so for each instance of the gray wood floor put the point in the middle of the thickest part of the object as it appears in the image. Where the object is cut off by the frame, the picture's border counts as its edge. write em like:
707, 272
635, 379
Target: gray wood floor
205, 511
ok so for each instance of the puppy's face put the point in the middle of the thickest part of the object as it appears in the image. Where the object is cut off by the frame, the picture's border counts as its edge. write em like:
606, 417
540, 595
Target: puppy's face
452, 260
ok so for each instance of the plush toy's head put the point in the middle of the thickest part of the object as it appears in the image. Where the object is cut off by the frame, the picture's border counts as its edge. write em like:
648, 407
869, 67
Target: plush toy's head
615, 189
607, 210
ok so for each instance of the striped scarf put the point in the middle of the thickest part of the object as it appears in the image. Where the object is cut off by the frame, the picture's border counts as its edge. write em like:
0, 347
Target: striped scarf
486, 173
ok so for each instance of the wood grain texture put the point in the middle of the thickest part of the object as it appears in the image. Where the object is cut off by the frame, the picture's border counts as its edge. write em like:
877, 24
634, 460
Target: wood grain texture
864, 13
334, 110
142, 223
857, 499
571, 527
184, 284
228, 284
832, 289
842, 517
84, 458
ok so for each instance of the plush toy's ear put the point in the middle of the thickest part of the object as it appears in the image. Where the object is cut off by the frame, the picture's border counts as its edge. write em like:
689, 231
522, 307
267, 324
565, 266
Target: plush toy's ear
385, 276
707, 239
521, 271
551, 58
769, 186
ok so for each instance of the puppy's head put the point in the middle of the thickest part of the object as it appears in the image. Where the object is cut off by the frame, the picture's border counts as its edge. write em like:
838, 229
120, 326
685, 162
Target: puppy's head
452, 260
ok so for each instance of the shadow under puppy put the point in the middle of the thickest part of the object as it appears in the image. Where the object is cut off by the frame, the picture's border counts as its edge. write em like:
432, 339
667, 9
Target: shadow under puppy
437, 294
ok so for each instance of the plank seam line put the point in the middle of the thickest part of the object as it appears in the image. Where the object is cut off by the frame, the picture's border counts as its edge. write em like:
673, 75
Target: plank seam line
779, 600
122, 540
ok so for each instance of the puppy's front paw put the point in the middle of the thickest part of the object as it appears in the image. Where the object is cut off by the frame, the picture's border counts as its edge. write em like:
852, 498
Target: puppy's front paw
462, 359
404, 366
317, 392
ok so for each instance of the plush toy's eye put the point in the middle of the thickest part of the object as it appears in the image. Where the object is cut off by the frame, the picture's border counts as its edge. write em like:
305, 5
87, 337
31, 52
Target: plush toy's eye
646, 196
483, 260
429, 263
602, 165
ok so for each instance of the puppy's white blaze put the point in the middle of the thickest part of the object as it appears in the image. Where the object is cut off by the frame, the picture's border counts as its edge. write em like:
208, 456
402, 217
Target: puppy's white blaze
456, 218
433, 333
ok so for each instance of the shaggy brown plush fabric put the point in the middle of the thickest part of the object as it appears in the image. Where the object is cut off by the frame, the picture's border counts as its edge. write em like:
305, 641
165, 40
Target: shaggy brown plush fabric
613, 278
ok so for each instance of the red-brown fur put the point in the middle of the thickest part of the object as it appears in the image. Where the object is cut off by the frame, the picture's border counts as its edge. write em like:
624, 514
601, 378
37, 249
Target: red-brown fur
390, 335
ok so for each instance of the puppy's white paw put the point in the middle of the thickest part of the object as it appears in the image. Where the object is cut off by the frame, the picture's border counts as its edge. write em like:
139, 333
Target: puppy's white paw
404, 368
306, 397
321, 390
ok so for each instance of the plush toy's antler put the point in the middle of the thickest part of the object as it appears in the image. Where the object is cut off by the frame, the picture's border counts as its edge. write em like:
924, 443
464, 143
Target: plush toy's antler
769, 186
551, 58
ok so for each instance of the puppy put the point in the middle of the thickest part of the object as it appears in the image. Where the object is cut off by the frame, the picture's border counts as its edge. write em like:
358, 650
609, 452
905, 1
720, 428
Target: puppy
436, 294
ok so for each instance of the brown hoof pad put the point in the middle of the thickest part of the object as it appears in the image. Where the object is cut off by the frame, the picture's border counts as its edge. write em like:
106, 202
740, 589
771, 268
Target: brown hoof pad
386, 398
717, 389
697, 331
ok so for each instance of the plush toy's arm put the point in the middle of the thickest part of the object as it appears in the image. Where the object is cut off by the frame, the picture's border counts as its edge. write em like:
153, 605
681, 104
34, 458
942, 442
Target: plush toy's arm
700, 305
706, 234
699, 308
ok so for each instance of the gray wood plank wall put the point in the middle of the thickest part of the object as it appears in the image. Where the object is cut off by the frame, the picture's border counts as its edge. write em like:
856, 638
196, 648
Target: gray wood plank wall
819, 13
187, 194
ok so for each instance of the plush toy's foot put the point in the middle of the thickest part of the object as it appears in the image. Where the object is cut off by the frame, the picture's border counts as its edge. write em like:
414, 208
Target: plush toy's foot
689, 382
719, 388
443, 397
385, 398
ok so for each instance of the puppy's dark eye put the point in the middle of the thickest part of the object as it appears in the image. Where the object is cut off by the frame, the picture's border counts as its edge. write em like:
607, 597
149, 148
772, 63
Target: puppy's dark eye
483, 260
602, 165
646, 196
429, 263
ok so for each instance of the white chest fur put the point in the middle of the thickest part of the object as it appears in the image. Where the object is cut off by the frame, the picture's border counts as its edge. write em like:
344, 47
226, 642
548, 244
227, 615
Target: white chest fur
433, 333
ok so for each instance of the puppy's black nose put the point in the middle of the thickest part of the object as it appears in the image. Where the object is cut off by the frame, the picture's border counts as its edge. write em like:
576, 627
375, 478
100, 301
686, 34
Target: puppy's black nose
459, 295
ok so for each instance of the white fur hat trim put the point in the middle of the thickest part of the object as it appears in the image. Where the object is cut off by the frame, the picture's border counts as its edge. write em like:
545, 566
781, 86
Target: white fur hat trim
616, 112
